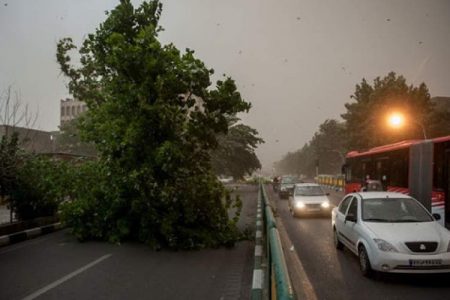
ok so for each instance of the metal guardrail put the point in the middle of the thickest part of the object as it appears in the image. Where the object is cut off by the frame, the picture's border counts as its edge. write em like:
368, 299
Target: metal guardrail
277, 281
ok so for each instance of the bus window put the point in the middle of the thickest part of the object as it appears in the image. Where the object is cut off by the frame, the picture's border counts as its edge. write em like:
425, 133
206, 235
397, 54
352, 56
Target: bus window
399, 171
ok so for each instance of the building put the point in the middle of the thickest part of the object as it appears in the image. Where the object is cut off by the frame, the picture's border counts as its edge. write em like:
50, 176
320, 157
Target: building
31, 140
71, 109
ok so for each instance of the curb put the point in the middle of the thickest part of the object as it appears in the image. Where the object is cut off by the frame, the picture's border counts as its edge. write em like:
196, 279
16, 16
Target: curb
21, 236
258, 272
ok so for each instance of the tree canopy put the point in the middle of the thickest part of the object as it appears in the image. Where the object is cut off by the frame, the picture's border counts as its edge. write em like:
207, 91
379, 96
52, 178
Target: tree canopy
365, 118
326, 149
365, 124
328, 144
235, 156
69, 140
154, 118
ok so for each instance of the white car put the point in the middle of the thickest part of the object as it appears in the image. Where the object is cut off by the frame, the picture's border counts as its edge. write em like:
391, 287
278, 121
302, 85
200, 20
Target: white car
391, 232
309, 198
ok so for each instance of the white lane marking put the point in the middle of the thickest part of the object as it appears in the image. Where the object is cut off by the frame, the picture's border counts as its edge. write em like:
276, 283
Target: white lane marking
65, 278
258, 223
258, 250
298, 274
258, 234
257, 279
258, 216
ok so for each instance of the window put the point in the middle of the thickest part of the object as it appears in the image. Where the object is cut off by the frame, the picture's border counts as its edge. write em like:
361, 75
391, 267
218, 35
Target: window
309, 190
289, 180
440, 166
67, 111
399, 169
73, 110
353, 209
78, 109
62, 111
394, 210
356, 170
344, 204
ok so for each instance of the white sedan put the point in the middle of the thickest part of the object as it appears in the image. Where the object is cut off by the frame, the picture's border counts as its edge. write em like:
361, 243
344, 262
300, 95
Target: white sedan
309, 198
391, 232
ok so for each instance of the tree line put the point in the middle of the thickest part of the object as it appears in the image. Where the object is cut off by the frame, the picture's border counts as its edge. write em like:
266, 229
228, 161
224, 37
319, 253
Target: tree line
364, 125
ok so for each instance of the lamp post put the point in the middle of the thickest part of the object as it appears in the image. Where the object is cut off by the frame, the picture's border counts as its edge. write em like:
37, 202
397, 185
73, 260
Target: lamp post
423, 129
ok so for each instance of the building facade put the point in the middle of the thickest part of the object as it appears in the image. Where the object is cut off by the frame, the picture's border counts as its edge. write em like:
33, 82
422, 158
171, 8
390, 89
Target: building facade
31, 140
71, 109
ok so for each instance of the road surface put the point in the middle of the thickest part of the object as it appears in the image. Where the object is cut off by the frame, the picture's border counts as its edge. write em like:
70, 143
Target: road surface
56, 266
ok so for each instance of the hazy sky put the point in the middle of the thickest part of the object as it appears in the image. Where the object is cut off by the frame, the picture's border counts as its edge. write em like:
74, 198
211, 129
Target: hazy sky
296, 61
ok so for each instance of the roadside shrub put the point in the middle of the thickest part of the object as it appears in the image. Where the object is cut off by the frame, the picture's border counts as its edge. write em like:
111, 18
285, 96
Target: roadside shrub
39, 187
190, 212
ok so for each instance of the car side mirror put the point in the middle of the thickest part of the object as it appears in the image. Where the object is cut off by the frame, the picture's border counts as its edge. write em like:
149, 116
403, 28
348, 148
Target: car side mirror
350, 218
437, 217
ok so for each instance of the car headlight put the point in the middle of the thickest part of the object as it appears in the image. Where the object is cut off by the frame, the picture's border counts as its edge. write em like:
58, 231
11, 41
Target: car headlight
384, 246
325, 204
299, 204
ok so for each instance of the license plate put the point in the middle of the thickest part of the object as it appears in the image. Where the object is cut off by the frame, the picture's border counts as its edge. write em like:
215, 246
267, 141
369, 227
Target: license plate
425, 262
313, 209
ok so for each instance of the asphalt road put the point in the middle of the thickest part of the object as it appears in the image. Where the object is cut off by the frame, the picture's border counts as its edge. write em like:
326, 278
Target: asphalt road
332, 274
56, 266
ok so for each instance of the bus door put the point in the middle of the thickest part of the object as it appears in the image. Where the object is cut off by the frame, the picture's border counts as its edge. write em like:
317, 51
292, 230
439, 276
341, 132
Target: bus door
447, 187
421, 173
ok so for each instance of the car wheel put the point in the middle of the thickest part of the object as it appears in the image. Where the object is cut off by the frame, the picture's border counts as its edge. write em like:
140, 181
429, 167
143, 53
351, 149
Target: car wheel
364, 262
337, 242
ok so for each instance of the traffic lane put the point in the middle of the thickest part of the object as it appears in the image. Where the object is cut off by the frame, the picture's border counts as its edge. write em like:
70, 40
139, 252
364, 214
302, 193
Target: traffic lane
135, 272
28, 266
132, 270
336, 275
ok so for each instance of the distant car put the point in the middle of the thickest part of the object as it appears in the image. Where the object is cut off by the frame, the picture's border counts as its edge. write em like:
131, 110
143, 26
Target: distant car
226, 179
276, 184
286, 186
309, 198
391, 232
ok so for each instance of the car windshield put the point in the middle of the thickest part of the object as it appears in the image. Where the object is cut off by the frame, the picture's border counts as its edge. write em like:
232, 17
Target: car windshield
311, 190
392, 210
288, 180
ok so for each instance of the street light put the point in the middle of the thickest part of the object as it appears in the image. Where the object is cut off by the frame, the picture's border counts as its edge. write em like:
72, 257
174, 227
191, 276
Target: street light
397, 120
